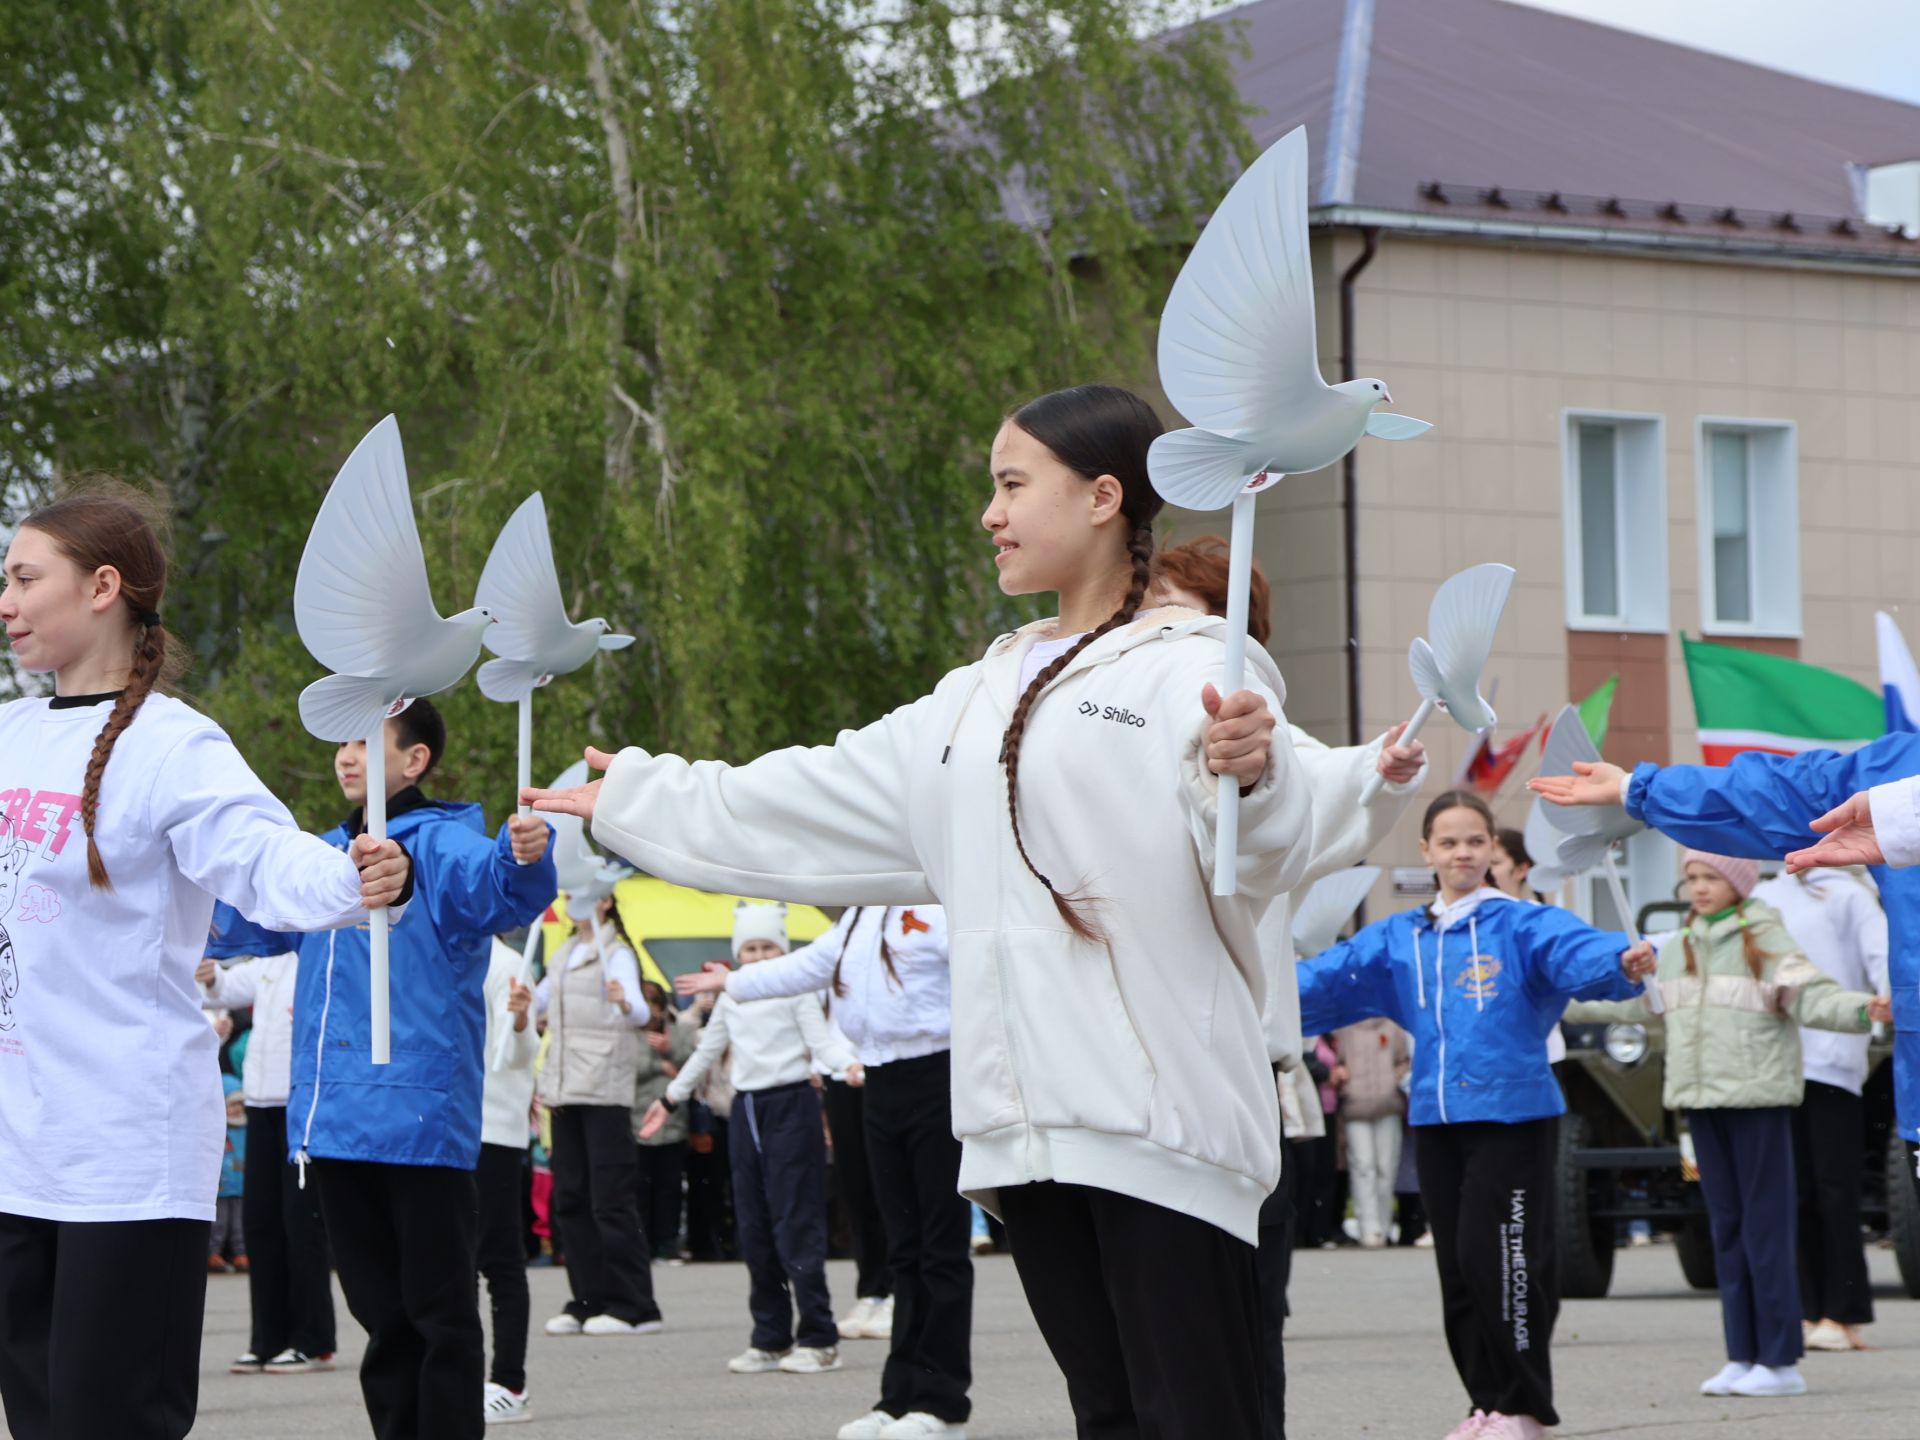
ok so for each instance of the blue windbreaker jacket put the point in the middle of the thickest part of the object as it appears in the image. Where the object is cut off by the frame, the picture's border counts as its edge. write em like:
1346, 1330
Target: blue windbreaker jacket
423, 1108
1479, 999
1760, 806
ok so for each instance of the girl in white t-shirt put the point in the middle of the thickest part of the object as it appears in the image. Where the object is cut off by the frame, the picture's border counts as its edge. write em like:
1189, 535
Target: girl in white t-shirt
123, 814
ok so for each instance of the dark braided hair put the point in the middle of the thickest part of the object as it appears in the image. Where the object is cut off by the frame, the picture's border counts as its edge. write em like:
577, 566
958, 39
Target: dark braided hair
886, 955
114, 526
1093, 430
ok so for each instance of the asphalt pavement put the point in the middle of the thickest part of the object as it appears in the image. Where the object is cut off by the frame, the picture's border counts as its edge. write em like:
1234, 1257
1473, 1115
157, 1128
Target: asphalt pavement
1365, 1351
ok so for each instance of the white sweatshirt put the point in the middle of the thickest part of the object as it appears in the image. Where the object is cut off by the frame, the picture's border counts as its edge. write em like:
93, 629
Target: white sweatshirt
506, 1097
886, 1017
1838, 924
110, 1098
1138, 1066
267, 984
775, 1042
1896, 820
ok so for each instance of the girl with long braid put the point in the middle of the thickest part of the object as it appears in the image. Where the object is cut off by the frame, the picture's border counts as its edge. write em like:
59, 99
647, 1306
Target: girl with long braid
112, 1122
1111, 1087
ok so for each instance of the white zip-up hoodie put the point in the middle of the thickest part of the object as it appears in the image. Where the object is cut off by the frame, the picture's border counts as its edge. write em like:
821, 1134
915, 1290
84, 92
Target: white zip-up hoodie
886, 1017
1138, 1066
266, 983
1838, 924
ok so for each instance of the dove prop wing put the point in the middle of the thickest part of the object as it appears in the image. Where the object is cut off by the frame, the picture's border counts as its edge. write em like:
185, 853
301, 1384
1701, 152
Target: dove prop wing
361, 600
1543, 841
1328, 906
521, 589
1590, 830
1237, 338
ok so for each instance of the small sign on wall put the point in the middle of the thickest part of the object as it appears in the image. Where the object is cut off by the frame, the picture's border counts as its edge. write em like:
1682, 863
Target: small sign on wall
1414, 882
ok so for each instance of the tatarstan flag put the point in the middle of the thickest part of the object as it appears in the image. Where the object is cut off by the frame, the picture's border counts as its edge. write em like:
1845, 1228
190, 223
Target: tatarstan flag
1743, 700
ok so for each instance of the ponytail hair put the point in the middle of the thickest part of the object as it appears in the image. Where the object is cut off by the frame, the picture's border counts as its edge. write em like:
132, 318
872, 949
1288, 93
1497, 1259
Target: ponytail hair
114, 525
1093, 430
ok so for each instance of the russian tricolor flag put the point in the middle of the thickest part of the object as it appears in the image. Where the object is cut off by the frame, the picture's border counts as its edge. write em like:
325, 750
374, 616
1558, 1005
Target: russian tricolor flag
1899, 680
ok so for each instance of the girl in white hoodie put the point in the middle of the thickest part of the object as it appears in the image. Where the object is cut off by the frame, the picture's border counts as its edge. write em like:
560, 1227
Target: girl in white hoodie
124, 814
1111, 1087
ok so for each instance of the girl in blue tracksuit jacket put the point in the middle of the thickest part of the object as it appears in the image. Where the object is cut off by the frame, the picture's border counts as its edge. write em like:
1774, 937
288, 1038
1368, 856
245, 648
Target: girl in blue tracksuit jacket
1479, 979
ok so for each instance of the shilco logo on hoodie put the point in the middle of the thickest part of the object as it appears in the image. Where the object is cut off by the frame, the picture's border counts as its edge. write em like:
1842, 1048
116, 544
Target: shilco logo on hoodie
1093, 711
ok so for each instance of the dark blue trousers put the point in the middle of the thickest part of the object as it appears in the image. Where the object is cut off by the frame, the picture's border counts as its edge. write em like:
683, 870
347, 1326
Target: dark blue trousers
780, 1213
1747, 1180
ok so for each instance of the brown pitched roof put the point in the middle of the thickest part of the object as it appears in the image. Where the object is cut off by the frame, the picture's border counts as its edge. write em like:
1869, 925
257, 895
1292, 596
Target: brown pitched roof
1558, 116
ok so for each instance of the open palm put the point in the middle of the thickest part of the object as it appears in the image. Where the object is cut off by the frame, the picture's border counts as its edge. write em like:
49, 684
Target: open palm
573, 799
1849, 838
1590, 784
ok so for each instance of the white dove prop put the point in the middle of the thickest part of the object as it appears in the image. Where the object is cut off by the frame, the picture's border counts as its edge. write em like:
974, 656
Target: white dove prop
1588, 831
1462, 620
1238, 358
1328, 906
364, 610
574, 862
535, 641
1543, 840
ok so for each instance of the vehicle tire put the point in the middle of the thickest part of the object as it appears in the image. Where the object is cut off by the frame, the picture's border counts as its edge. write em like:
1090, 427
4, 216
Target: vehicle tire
1585, 1245
1903, 1213
1693, 1243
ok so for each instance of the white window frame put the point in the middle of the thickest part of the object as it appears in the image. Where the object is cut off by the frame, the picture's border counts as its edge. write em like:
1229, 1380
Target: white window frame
1773, 508
1640, 522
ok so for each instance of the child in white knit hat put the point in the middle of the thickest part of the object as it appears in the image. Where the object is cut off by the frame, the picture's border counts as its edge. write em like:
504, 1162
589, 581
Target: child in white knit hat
778, 1153
1737, 989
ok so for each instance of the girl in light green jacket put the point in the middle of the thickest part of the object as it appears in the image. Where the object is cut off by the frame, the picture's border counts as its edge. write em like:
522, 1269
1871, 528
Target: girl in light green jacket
1737, 989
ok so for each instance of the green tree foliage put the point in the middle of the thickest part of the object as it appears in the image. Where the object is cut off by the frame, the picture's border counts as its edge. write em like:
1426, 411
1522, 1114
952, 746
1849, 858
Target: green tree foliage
743, 286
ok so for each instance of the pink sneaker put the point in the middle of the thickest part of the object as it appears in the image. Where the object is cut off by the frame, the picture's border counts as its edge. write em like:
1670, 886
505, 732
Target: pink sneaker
1469, 1428
1512, 1427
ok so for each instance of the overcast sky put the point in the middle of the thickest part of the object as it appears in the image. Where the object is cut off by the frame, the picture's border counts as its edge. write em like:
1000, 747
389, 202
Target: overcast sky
1866, 44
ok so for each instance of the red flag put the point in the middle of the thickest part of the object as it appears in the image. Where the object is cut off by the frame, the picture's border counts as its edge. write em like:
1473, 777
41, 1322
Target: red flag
1488, 767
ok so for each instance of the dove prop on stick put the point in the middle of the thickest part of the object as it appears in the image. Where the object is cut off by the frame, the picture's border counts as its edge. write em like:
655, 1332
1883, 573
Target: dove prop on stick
1238, 359
534, 639
1328, 906
1588, 831
575, 863
364, 610
1446, 669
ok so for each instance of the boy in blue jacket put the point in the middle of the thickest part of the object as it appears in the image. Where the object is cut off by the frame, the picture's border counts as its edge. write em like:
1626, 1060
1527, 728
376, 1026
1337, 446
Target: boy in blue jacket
393, 1148
1478, 980
1762, 806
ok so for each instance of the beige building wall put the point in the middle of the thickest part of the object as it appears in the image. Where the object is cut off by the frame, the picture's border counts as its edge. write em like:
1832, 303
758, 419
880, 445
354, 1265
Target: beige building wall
1493, 343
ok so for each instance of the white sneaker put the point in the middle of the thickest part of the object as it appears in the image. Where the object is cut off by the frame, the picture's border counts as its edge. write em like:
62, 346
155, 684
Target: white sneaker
1828, 1335
880, 1323
298, 1362
868, 1427
1767, 1381
1730, 1375
612, 1325
755, 1361
811, 1360
1512, 1427
918, 1425
1373, 1240
1470, 1427
1425, 1242
504, 1406
565, 1323
854, 1327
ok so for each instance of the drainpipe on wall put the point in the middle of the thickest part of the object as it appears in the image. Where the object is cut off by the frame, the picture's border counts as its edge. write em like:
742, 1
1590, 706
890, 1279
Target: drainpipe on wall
1350, 525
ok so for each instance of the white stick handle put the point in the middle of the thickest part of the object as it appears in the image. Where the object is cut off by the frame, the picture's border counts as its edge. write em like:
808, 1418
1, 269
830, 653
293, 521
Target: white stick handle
526, 750
525, 976
1376, 781
1226, 833
381, 1016
1650, 987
